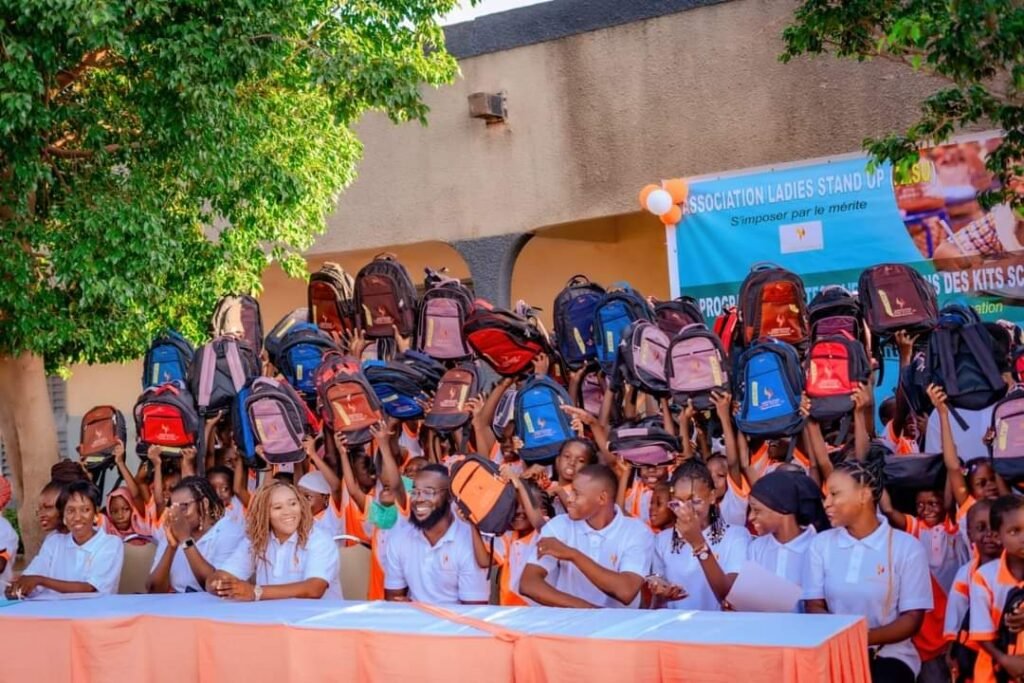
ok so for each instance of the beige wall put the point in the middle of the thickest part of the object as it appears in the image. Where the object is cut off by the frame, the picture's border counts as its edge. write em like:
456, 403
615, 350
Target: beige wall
594, 117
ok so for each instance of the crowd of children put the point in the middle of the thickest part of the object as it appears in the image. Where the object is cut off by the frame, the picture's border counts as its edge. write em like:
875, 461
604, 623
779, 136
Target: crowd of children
634, 458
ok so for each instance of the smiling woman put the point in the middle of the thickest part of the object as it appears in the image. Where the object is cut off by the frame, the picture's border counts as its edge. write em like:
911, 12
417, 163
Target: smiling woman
283, 556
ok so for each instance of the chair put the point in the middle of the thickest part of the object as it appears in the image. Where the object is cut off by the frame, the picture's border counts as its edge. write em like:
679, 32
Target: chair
353, 567
135, 571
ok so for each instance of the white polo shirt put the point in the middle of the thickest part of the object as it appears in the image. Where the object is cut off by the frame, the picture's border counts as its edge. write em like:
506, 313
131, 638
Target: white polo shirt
625, 545
888, 568
444, 573
683, 569
786, 560
236, 511
969, 444
96, 562
215, 546
288, 563
734, 504
8, 548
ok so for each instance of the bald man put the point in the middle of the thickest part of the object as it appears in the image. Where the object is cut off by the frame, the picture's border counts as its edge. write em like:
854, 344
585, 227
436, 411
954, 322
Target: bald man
592, 556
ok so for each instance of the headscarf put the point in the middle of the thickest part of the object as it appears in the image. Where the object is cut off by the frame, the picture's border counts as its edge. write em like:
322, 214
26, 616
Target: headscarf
137, 526
5, 492
792, 493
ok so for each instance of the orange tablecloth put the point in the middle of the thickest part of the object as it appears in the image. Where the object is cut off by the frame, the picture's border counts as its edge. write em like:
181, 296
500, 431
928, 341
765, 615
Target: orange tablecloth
197, 637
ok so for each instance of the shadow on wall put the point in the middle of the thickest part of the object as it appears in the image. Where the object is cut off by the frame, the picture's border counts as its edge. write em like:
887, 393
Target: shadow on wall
630, 248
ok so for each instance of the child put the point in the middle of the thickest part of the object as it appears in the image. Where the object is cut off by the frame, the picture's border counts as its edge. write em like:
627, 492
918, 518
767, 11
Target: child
222, 479
122, 519
992, 587
638, 498
986, 548
532, 510
660, 516
575, 454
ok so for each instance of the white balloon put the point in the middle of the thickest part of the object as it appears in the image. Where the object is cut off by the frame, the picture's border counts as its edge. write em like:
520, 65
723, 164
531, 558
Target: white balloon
659, 202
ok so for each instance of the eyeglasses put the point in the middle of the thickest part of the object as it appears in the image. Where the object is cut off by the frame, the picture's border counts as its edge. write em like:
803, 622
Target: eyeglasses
182, 506
428, 494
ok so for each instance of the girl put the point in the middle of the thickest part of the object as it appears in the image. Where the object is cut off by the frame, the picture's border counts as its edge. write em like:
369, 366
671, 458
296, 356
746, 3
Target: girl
288, 557
517, 544
222, 479
865, 567
990, 593
123, 520
575, 454
786, 512
661, 516
84, 560
194, 540
638, 497
696, 560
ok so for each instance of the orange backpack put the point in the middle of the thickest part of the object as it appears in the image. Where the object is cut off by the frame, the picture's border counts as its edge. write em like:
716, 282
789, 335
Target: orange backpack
484, 498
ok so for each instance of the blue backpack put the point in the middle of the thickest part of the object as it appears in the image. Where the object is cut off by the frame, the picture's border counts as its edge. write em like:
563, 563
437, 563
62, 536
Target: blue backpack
245, 440
540, 421
771, 381
167, 360
301, 352
574, 320
616, 310
398, 387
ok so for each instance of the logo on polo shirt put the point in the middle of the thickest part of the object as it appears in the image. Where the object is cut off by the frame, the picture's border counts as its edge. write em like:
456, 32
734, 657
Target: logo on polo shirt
880, 569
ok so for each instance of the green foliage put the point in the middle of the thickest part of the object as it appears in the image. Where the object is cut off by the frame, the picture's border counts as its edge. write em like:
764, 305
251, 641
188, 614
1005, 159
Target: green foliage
976, 47
158, 153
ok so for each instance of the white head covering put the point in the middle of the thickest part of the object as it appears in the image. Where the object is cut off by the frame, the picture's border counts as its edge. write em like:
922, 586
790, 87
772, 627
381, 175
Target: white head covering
315, 482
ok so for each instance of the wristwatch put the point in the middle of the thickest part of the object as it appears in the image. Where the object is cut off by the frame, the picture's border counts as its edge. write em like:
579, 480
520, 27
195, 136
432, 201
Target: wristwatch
257, 593
189, 543
702, 553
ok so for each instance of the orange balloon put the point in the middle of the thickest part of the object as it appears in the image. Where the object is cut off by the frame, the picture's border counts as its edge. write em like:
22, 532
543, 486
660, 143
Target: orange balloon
643, 195
674, 215
678, 188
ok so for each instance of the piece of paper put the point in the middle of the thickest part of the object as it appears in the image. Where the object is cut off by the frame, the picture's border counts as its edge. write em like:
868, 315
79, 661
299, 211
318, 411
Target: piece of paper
758, 590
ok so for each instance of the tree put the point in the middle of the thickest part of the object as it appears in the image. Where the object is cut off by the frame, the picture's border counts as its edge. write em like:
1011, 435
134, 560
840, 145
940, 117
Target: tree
156, 154
975, 46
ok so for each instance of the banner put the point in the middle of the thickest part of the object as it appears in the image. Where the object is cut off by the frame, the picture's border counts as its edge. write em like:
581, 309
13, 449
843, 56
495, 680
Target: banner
828, 220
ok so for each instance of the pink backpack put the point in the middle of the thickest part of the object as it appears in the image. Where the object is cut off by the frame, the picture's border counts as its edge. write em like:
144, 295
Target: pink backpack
642, 354
442, 313
696, 366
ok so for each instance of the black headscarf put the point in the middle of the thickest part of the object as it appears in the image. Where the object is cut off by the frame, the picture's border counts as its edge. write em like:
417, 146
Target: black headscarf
792, 493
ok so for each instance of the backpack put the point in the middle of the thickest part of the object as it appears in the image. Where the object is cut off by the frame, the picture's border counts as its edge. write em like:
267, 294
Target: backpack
349, 405
673, 316
574, 320
398, 387
442, 313
167, 359
836, 365
504, 412
1006, 640
695, 366
913, 472
541, 423
965, 657
101, 429
219, 371
448, 411
385, 296
962, 359
592, 389
274, 338
834, 310
644, 444
330, 298
506, 341
1007, 447
300, 354
616, 310
242, 429
726, 326
234, 310
896, 297
642, 354
166, 415
486, 500
773, 303
771, 381
279, 420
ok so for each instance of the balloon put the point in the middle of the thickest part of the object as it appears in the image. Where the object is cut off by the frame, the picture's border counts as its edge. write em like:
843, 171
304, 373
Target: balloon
677, 188
674, 215
648, 189
659, 202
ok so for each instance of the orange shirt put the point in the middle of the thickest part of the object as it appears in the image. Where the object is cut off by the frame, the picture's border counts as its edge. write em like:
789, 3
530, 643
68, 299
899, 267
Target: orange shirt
512, 560
990, 586
378, 545
760, 462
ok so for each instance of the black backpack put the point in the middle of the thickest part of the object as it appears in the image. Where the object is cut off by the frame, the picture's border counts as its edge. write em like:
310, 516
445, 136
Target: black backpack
448, 411
834, 310
963, 359
773, 303
233, 309
895, 297
574, 320
272, 342
1006, 640
385, 296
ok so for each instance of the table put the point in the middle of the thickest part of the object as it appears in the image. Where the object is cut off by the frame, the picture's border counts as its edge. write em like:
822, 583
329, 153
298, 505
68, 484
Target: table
197, 637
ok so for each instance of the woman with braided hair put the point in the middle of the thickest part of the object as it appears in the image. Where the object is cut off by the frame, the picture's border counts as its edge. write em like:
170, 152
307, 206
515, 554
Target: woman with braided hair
196, 537
865, 567
284, 555
696, 560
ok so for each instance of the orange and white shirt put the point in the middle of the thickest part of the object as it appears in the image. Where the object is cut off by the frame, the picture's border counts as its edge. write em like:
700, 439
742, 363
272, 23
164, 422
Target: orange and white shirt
733, 505
379, 539
762, 464
959, 600
511, 557
638, 501
990, 585
944, 547
8, 549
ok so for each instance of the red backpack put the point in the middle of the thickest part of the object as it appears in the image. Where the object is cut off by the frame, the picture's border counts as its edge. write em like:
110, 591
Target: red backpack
385, 297
506, 341
102, 426
331, 299
836, 365
725, 327
349, 405
773, 303
166, 415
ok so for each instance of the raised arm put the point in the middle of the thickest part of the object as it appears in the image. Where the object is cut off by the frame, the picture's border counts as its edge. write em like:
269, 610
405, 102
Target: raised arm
129, 479
347, 474
333, 482
723, 409
897, 519
534, 515
390, 475
154, 454
950, 456
815, 443
862, 402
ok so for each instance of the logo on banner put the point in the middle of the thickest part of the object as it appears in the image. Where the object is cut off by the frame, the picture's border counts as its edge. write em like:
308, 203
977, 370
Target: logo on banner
797, 237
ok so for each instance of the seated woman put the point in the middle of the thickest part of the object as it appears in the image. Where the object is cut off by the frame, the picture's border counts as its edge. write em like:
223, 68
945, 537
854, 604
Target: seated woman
286, 555
84, 560
194, 539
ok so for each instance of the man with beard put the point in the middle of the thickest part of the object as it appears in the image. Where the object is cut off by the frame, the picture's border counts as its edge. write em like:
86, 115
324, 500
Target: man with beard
431, 560
592, 556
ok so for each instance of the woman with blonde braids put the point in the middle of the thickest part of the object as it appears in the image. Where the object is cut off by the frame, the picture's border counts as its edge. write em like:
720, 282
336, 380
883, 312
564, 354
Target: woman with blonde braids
283, 555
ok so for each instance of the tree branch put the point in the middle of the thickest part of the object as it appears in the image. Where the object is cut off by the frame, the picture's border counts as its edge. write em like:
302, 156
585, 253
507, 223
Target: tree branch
96, 59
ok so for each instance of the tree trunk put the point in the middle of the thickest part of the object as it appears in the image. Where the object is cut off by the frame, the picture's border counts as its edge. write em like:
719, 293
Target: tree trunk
29, 434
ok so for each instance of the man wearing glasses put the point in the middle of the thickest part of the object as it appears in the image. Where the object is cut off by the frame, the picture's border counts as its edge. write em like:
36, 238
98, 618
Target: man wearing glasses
431, 560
